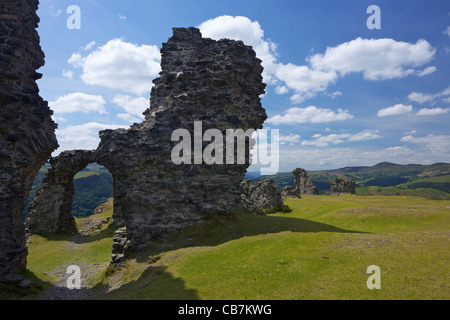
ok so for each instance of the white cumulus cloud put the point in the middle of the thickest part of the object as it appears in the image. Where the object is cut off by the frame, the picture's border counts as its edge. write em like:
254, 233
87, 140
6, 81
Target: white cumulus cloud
83, 136
432, 111
431, 144
134, 106
310, 114
281, 90
395, 110
304, 81
376, 59
431, 98
291, 139
120, 65
333, 139
78, 102
427, 71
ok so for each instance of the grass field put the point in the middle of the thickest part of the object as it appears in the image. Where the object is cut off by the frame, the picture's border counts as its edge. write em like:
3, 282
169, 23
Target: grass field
320, 250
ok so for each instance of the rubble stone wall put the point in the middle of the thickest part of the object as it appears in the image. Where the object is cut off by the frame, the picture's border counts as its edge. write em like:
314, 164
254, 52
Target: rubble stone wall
27, 135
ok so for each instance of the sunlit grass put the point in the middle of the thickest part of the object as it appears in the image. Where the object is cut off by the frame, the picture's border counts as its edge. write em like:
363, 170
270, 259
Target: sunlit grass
320, 250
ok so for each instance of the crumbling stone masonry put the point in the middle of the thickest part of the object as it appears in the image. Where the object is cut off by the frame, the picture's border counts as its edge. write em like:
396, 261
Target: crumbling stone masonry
216, 82
342, 185
26, 130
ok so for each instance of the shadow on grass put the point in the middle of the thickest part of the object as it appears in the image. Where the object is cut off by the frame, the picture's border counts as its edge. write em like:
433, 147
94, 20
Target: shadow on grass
79, 238
220, 229
15, 292
155, 283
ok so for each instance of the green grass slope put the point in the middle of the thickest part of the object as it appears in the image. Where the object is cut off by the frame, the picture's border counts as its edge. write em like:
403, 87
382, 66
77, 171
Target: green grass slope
320, 250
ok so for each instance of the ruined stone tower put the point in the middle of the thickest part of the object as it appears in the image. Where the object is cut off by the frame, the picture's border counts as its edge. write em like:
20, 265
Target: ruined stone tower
26, 130
303, 183
216, 82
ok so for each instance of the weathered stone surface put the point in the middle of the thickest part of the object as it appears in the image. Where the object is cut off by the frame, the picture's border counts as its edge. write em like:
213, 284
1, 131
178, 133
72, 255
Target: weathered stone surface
303, 183
263, 194
288, 191
120, 247
342, 185
216, 82
27, 135
51, 210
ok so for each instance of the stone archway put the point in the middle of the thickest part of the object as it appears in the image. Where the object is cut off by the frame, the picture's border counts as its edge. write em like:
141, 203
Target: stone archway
51, 210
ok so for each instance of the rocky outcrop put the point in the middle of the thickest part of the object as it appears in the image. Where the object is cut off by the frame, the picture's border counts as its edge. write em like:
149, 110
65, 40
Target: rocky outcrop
214, 84
51, 210
263, 194
27, 135
303, 183
342, 185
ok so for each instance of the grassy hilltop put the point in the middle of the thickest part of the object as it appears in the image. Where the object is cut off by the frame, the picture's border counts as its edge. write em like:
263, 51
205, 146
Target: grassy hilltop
320, 250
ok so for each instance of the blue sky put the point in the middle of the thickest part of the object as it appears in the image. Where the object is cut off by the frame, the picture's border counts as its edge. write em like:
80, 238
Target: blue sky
341, 94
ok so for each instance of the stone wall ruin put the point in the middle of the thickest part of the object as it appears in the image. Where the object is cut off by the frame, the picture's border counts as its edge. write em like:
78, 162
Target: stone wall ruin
342, 185
27, 135
216, 82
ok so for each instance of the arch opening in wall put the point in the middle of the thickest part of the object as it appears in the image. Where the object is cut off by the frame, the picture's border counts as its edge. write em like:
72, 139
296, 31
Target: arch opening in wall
52, 209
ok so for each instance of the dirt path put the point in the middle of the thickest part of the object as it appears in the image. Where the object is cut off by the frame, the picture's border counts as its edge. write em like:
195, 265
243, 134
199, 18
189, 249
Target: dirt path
60, 291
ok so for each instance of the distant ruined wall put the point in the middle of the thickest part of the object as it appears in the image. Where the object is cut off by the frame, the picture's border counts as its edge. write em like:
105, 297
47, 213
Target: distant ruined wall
303, 183
342, 185
216, 82
26, 130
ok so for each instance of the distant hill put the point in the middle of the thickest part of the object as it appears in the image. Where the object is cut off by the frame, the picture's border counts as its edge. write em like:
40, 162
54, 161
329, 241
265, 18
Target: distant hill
384, 174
